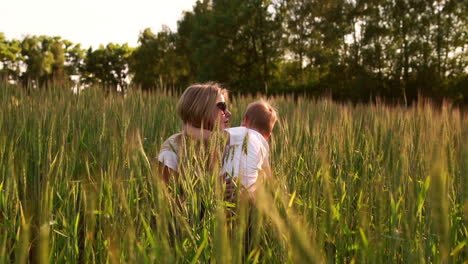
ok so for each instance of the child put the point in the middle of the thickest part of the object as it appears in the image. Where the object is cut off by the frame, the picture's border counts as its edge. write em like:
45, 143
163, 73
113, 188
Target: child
246, 156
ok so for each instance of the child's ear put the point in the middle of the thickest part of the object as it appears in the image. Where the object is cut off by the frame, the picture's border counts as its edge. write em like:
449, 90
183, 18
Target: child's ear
267, 136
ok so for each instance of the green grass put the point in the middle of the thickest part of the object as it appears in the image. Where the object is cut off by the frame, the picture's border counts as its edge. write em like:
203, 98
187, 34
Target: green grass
352, 184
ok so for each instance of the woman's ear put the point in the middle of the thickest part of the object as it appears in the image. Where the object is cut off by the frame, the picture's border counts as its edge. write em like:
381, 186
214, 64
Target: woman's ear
267, 136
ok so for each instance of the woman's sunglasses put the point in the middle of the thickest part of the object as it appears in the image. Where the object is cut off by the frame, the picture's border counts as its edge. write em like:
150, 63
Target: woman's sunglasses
222, 106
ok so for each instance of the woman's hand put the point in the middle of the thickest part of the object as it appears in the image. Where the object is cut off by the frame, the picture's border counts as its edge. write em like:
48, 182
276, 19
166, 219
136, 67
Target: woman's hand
166, 173
230, 195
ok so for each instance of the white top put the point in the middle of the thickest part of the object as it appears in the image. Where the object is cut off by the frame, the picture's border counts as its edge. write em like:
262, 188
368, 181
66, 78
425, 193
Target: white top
169, 159
246, 156
168, 156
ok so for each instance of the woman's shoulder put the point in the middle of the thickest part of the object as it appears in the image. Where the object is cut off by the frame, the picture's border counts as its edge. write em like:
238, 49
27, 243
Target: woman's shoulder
174, 138
168, 153
171, 143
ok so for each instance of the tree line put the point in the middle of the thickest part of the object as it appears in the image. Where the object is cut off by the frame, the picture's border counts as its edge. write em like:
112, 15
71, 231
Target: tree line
358, 50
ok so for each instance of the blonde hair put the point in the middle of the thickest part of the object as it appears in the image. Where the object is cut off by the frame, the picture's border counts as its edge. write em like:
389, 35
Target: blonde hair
261, 116
197, 104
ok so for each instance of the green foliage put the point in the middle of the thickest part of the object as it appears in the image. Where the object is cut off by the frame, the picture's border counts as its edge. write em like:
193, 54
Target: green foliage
38, 59
361, 49
10, 56
155, 63
107, 66
233, 42
74, 57
49, 60
395, 50
368, 184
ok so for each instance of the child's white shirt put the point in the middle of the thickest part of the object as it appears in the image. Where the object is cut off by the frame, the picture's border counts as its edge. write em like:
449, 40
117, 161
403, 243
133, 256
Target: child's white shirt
246, 156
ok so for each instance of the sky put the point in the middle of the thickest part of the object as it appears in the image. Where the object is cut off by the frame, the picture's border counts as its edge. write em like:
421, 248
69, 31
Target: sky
90, 22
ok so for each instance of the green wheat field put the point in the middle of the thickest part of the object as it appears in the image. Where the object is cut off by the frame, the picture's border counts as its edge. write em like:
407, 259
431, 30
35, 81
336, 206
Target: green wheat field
79, 183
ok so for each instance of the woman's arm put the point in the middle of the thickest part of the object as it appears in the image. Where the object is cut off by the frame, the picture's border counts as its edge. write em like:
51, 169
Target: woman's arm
233, 193
166, 173
231, 190
167, 165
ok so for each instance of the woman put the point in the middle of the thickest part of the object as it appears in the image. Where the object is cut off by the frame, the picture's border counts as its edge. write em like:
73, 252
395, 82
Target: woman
200, 106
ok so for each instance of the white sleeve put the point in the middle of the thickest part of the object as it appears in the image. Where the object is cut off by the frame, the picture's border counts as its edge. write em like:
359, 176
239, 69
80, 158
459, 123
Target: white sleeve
254, 161
169, 159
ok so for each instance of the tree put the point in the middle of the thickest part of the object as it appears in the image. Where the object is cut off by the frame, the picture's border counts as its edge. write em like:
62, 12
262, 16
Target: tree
234, 42
58, 73
74, 58
155, 63
10, 58
298, 18
44, 58
107, 66
37, 59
